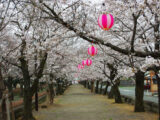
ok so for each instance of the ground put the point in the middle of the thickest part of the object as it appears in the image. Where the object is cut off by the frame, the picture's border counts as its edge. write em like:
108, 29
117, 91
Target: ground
78, 103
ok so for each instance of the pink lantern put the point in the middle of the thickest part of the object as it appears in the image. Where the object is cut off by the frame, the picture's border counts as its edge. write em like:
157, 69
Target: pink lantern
80, 66
92, 50
83, 62
105, 21
88, 62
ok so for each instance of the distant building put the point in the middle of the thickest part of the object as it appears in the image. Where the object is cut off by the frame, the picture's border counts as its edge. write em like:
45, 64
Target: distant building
150, 82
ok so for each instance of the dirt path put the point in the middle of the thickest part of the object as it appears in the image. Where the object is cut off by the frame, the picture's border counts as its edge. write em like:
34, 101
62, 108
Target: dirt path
79, 104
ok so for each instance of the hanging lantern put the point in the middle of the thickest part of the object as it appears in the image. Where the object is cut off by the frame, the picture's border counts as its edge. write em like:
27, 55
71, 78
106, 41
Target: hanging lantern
88, 62
92, 50
80, 66
105, 21
83, 62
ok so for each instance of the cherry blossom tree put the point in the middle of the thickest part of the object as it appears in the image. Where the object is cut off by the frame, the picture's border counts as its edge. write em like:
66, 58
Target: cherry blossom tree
51, 38
130, 36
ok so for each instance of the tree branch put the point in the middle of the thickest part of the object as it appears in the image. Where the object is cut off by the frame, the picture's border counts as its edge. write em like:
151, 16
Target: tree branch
96, 40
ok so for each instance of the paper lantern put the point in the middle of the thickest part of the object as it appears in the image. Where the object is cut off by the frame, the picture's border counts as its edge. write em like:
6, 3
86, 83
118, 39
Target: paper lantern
83, 62
80, 66
92, 50
88, 62
105, 21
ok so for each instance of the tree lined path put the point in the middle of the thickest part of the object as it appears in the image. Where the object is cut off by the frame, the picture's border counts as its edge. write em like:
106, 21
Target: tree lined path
79, 103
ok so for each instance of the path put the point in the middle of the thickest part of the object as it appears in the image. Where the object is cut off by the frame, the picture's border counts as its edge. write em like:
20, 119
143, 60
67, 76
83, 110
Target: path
79, 104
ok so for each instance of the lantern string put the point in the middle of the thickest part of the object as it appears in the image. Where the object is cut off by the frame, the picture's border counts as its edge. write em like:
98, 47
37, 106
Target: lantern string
103, 8
92, 38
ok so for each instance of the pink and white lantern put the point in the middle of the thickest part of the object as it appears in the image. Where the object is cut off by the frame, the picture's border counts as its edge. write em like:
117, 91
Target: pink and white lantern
105, 21
88, 62
83, 62
92, 50
80, 66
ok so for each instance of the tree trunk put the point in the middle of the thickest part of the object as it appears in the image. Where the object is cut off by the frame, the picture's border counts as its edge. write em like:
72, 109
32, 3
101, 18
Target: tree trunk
58, 89
139, 92
61, 89
12, 111
51, 93
36, 100
88, 85
111, 93
10, 88
117, 95
106, 88
101, 87
11, 94
27, 105
85, 84
4, 110
11, 107
2, 86
21, 87
97, 86
92, 86
2, 96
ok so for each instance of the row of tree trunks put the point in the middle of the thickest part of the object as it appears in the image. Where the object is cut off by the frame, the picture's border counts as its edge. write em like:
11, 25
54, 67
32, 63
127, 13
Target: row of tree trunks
115, 93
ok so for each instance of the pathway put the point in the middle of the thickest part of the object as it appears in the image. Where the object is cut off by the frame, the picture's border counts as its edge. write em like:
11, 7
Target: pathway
79, 104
